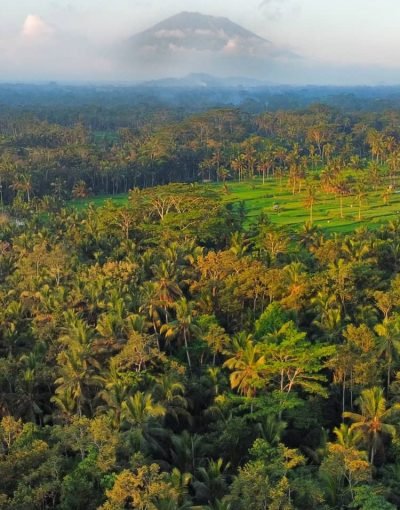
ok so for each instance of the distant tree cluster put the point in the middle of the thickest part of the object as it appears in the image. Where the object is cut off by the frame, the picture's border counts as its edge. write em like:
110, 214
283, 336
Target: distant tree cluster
66, 159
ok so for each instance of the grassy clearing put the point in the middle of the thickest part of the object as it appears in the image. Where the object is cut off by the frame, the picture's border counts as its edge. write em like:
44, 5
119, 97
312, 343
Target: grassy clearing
99, 200
258, 198
326, 213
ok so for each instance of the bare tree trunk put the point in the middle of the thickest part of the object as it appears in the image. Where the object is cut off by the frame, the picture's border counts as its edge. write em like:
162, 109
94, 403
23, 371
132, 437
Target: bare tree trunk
343, 395
187, 349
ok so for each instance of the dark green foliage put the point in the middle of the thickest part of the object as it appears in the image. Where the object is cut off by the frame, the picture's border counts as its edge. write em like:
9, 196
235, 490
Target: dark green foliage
157, 353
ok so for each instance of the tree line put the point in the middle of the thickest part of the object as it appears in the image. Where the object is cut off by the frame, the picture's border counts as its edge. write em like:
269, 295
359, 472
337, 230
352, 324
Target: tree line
73, 158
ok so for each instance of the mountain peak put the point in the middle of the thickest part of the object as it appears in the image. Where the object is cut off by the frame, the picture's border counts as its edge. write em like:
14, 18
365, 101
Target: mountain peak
195, 31
191, 42
196, 20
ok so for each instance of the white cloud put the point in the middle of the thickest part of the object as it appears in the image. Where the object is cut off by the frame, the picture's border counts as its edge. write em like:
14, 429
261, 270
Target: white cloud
230, 46
38, 50
203, 31
177, 34
35, 27
276, 9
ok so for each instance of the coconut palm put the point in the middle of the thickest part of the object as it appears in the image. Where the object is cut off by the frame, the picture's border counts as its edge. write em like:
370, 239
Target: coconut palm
141, 416
184, 327
271, 428
373, 419
169, 391
80, 189
167, 286
210, 483
151, 306
387, 193
239, 244
309, 202
223, 174
186, 451
265, 164
139, 408
23, 184
247, 366
360, 197
388, 344
115, 389
76, 363
239, 165
348, 437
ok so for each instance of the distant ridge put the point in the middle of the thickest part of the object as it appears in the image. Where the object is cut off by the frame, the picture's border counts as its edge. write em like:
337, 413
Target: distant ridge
203, 80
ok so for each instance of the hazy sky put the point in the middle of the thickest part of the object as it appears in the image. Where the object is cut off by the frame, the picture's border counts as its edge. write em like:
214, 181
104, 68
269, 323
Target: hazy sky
345, 41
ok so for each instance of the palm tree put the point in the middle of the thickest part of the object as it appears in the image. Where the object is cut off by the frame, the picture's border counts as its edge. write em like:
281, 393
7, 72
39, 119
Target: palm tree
28, 398
387, 194
250, 156
150, 305
169, 391
65, 401
239, 244
114, 392
342, 190
295, 175
274, 242
76, 362
216, 159
310, 200
389, 344
141, 417
296, 282
375, 141
247, 366
80, 189
205, 167
181, 499
184, 327
168, 288
374, 177
239, 165
356, 250
223, 174
348, 437
186, 451
23, 184
393, 162
271, 427
265, 164
339, 272
210, 483
309, 236
373, 417
140, 408
360, 197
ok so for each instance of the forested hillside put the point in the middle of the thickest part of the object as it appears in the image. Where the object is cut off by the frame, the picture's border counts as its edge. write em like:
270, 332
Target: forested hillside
168, 353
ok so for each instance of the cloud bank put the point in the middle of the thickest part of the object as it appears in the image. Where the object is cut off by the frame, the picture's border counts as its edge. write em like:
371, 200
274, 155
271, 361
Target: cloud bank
39, 50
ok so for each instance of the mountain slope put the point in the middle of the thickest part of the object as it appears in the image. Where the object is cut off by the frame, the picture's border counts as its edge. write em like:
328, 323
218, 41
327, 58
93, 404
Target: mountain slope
194, 31
190, 43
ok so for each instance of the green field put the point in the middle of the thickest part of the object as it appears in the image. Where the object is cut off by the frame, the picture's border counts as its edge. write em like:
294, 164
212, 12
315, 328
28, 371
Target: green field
258, 198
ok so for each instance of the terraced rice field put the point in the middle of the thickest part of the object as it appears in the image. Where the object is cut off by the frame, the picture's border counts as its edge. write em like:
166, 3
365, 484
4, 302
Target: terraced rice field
283, 208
